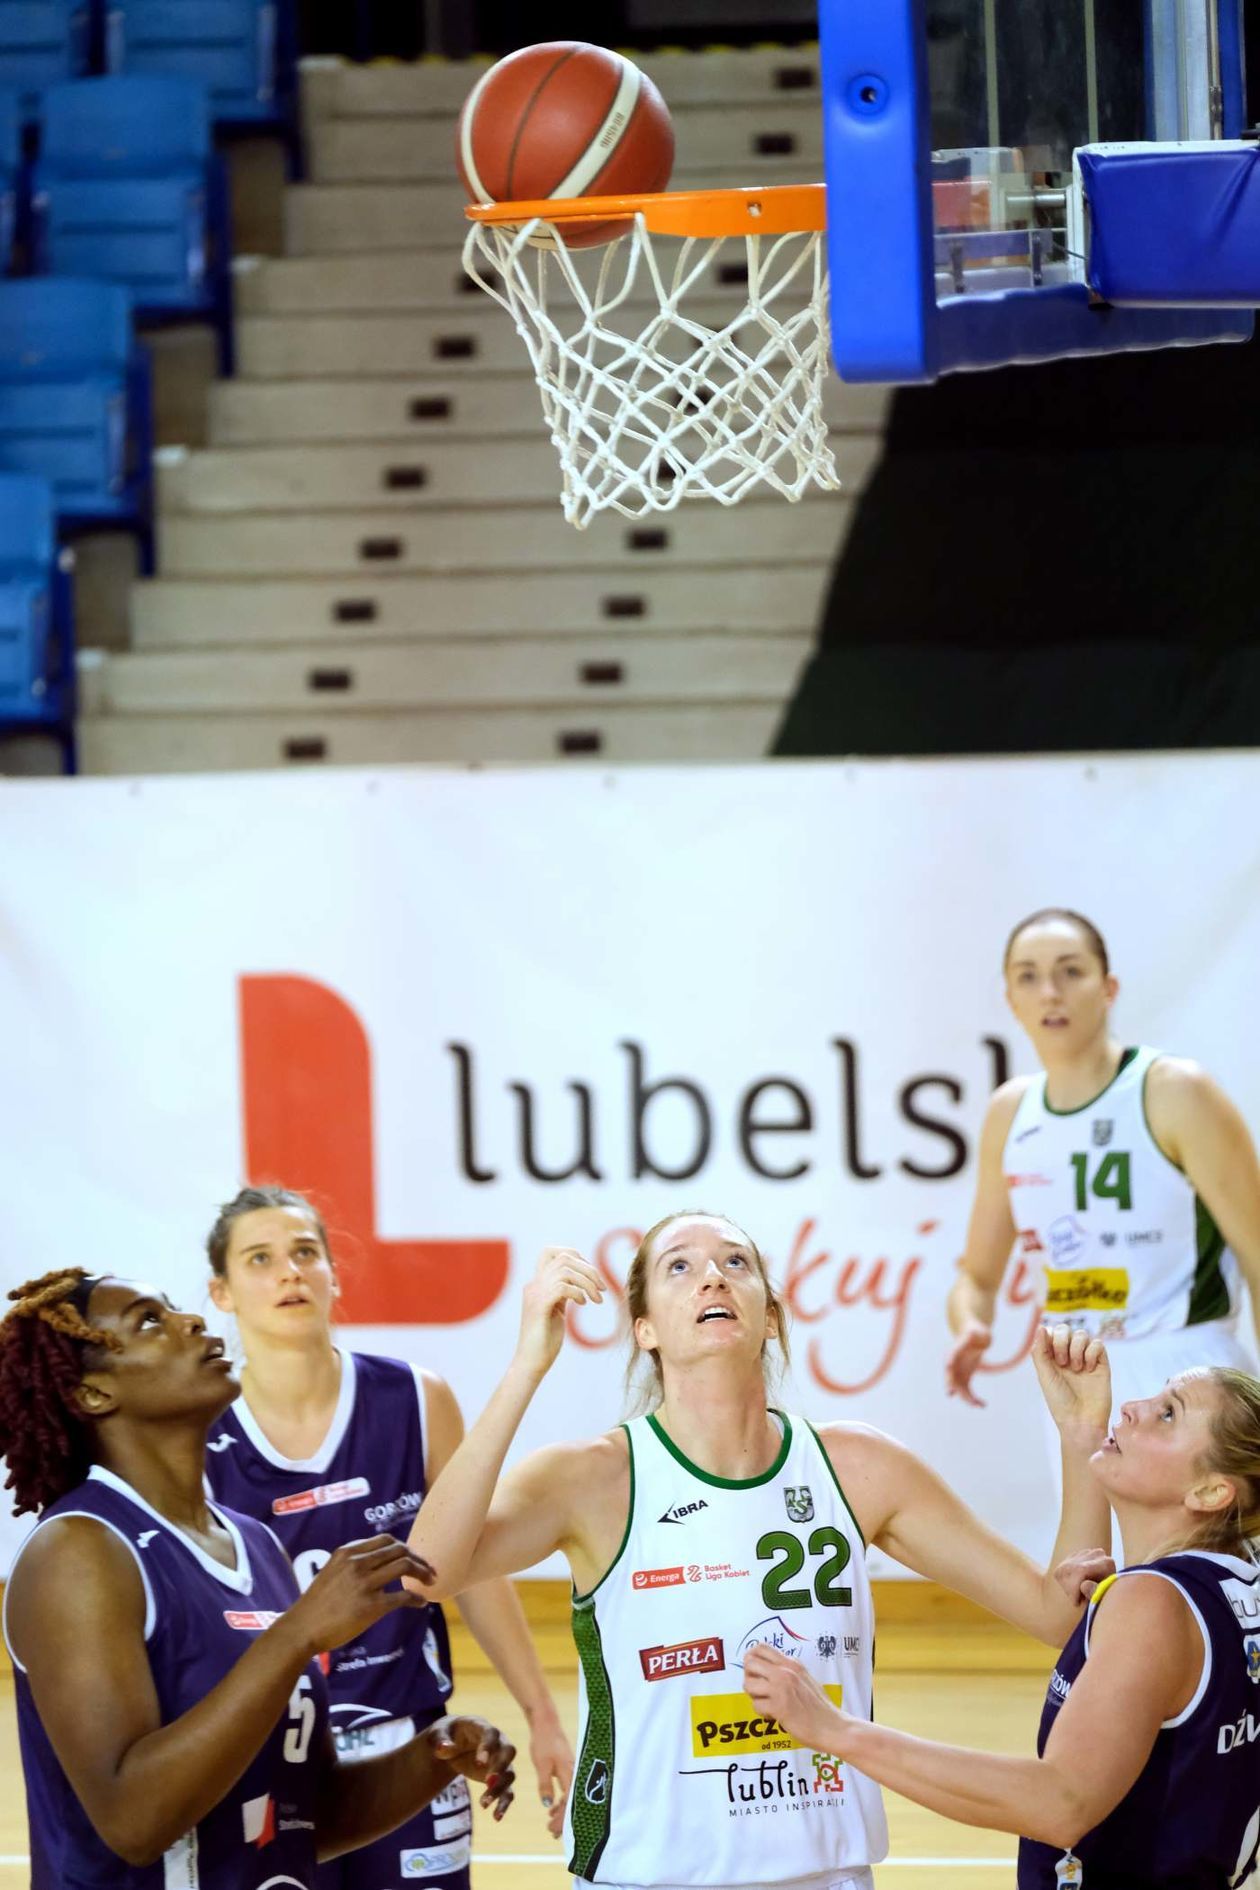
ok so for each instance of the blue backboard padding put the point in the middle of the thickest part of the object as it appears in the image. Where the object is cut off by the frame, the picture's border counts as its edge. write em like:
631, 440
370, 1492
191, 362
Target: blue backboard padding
879, 210
1233, 69
886, 324
1026, 325
1174, 225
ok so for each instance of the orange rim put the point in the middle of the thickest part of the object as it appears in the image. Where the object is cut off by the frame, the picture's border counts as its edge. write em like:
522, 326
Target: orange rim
776, 211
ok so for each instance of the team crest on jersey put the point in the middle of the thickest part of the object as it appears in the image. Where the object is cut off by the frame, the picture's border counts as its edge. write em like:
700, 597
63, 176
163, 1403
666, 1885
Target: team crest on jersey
799, 1502
1103, 1130
1251, 1647
595, 1790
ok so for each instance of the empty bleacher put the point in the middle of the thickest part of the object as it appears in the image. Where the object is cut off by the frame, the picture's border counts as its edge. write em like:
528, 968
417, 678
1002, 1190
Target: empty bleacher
369, 561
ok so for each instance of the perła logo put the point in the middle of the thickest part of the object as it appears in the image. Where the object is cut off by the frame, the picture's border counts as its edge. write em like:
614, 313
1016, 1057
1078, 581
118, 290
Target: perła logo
703, 1656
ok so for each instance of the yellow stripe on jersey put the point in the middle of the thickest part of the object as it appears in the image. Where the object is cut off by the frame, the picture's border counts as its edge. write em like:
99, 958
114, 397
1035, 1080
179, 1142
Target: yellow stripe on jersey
1102, 1588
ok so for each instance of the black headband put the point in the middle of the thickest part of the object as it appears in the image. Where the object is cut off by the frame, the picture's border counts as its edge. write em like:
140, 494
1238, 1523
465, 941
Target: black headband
82, 1293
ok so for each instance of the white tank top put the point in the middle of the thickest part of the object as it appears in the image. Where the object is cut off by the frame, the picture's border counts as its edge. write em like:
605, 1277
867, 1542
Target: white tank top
1125, 1246
678, 1779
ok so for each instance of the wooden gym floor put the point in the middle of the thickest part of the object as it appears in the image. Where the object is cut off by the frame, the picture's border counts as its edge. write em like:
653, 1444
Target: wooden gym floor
944, 1671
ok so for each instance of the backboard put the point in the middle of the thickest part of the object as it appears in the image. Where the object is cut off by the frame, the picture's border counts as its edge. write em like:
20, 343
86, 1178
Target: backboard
958, 225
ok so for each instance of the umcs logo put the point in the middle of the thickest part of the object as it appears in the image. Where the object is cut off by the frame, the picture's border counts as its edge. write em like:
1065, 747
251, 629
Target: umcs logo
306, 1092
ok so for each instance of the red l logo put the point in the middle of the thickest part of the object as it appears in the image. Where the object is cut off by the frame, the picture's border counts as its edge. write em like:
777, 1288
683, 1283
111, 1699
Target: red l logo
306, 1086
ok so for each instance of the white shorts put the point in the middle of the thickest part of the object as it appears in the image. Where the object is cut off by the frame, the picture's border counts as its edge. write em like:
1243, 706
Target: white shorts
860, 1879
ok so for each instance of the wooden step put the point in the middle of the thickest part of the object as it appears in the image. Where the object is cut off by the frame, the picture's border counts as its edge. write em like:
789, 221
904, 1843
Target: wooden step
172, 613
503, 672
524, 537
327, 219
663, 732
716, 77
281, 412
390, 479
432, 279
481, 339
748, 143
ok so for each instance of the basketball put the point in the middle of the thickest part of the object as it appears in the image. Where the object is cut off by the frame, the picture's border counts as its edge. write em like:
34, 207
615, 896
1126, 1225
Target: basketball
565, 119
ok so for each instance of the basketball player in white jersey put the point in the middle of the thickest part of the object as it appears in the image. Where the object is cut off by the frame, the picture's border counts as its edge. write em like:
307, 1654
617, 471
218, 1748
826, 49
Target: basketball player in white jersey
1125, 1176
711, 1525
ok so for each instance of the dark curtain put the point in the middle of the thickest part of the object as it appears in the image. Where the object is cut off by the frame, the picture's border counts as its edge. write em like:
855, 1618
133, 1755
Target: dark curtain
1051, 557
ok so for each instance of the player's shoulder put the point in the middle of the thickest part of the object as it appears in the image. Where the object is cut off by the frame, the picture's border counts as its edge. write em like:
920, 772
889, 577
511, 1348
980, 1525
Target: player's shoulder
1180, 1099
1169, 1075
588, 1464
1001, 1111
859, 1447
380, 1367
72, 1559
1007, 1097
1140, 1603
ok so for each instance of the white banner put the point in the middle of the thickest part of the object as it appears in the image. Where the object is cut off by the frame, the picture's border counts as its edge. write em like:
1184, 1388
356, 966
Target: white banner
480, 1013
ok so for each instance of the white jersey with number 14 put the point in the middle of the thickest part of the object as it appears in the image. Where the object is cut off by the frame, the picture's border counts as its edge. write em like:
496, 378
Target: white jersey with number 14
1126, 1247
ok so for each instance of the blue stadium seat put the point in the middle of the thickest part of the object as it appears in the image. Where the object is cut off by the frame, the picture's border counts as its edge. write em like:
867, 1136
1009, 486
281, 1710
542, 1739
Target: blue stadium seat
128, 187
76, 402
42, 42
10, 174
36, 616
244, 51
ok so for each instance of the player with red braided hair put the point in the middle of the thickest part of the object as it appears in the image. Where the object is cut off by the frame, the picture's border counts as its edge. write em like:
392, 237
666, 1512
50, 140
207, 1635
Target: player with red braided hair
41, 1363
172, 1714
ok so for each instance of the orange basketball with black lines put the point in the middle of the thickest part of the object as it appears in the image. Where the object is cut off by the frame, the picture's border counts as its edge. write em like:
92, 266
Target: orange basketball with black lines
565, 119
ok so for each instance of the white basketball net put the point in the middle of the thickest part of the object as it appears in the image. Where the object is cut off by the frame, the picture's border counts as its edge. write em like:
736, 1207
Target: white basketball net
647, 404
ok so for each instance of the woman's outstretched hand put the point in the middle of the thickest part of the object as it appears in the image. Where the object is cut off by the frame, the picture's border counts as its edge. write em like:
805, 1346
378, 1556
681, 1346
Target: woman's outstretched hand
480, 1752
782, 1690
1075, 1378
561, 1279
1080, 1574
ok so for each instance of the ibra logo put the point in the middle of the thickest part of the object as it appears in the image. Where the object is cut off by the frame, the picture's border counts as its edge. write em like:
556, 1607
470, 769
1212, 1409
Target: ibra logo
306, 1090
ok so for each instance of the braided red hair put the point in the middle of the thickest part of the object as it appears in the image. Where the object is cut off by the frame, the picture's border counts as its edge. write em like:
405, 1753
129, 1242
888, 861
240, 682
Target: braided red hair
44, 1437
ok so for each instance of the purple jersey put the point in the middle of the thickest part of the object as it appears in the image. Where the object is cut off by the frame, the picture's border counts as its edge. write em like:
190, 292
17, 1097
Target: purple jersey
366, 1478
1191, 1820
199, 1619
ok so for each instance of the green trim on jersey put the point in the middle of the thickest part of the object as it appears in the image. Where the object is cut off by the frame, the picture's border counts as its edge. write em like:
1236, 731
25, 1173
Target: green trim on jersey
729, 1483
1209, 1291
592, 1789
580, 1600
1126, 1057
826, 1457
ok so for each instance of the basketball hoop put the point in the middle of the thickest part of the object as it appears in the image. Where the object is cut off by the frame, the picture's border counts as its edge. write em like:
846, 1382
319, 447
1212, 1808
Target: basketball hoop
651, 405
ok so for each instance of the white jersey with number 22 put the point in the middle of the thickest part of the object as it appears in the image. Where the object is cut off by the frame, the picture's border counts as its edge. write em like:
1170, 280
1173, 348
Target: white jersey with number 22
679, 1780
